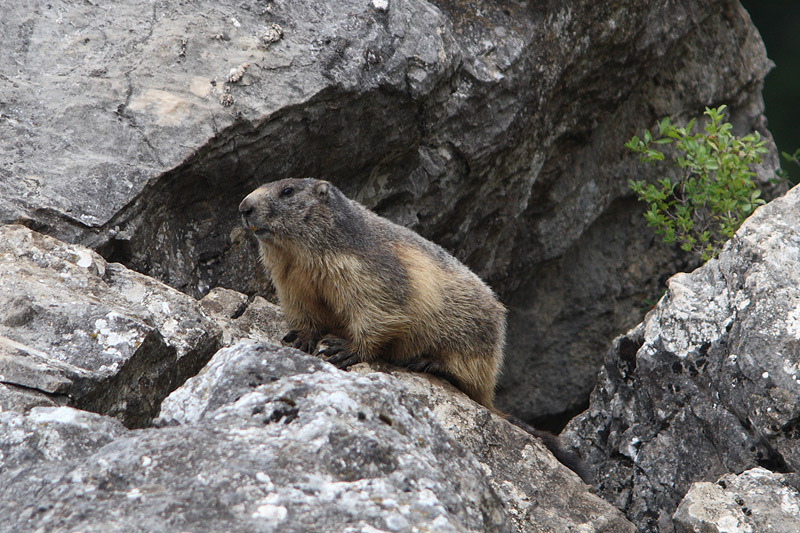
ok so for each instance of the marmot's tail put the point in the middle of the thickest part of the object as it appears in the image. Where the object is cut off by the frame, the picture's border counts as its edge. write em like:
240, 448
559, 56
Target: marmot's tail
568, 458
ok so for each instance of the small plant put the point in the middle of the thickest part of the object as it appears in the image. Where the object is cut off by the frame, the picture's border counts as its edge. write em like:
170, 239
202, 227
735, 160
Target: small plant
782, 175
713, 193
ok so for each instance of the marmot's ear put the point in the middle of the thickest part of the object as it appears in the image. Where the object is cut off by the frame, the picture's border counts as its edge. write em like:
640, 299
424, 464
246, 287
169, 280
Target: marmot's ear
321, 188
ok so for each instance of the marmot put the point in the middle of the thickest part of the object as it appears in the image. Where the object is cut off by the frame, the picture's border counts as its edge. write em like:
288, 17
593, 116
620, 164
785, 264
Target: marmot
373, 289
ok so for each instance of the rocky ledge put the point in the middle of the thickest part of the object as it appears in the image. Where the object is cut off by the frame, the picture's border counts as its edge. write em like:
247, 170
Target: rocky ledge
709, 383
270, 439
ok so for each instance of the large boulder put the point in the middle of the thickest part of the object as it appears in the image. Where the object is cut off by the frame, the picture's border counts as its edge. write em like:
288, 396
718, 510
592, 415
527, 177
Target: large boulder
755, 500
494, 128
271, 439
709, 383
519, 470
77, 330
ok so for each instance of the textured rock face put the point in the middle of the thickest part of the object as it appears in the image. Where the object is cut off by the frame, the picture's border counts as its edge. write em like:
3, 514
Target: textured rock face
495, 129
756, 500
539, 493
269, 439
241, 318
76, 329
52, 434
710, 382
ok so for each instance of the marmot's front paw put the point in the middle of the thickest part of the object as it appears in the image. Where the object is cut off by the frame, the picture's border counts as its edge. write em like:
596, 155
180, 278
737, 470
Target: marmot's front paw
336, 352
300, 340
290, 337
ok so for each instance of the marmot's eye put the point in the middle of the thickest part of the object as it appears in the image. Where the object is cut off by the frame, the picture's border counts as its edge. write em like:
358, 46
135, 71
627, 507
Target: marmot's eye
286, 192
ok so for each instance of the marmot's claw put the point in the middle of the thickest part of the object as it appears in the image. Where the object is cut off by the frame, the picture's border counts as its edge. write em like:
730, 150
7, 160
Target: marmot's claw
297, 339
330, 350
344, 359
307, 346
422, 365
330, 345
290, 337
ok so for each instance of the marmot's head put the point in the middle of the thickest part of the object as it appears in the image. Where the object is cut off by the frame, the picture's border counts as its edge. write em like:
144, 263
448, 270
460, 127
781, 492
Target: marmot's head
297, 210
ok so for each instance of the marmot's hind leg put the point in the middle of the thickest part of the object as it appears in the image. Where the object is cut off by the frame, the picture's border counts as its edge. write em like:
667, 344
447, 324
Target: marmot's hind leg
477, 374
472, 383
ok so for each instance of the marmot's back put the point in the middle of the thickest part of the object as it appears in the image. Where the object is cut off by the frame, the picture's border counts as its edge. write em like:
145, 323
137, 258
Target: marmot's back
380, 289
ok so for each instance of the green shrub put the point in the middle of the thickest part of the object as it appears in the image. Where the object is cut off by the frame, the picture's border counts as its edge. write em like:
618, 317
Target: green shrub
714, 191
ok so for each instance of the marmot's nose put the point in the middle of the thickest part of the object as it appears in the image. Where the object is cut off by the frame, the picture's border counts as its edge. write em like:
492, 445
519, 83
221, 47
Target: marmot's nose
246, 207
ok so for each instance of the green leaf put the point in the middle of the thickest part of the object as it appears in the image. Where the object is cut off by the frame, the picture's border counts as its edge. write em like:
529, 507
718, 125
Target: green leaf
663, 126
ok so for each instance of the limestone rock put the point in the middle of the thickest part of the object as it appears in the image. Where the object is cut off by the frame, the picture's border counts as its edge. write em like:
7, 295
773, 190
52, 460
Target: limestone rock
93, 334
515, 466
494, 128
756, 500
241, 318
710, 382
52, 434
521, 470
298, 446
22, 399
271, 439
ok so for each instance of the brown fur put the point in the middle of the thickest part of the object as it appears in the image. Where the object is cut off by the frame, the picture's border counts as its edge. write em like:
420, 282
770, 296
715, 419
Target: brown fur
340, 270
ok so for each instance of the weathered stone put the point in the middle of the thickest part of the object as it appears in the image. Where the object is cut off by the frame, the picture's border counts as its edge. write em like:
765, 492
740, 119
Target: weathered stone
52, 434
108, 339
756, 500
521, 470
22, 399
262, 320
495, 129
224, 303
242, 319
710, 382
299, 446
513, 464
24, 366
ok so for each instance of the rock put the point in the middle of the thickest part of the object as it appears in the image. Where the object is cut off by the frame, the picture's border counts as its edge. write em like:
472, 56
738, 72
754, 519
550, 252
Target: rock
521, 471
22, 399
93, 334
52, 434
300, 447
516, 466
709, 383
494, 129
242, 319
755, 500
224, 303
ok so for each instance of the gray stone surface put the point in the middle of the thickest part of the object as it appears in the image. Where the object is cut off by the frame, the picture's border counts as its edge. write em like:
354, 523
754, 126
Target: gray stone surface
22, 399
297, 446
241, 318
271, 439
521, 470
51, 434
75, 328
756, 500
710, 382
514, 465
495, 129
